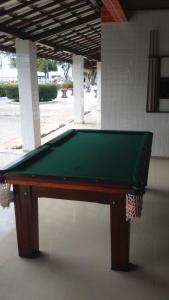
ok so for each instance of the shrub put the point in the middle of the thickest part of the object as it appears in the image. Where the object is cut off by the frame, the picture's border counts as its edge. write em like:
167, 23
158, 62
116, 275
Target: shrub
70, 84
59, 86
67, 85
2, 90
47, 92
12, 92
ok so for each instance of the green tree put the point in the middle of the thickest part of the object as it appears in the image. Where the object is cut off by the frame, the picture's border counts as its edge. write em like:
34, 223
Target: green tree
47, 65
43, 65
12, 61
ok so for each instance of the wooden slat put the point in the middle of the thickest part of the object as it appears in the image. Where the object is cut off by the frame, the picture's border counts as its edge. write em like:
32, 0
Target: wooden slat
153, 74
77, 30
74, 24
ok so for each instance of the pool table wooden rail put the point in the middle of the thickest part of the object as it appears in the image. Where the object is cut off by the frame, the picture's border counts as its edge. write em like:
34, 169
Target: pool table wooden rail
66, 184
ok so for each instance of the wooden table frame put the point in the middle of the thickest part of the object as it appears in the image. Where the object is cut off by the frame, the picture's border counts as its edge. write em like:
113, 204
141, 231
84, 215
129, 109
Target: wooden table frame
26, 193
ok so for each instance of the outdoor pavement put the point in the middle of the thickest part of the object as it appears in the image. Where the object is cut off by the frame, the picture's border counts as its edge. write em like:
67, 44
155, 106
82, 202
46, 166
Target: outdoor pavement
55, 117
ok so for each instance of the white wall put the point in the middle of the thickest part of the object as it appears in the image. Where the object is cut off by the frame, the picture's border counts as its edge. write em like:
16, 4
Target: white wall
125, 49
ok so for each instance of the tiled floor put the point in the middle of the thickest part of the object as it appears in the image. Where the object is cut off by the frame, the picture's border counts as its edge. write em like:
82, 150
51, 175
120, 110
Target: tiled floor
75, 245
75, 242
92, 120
52, 115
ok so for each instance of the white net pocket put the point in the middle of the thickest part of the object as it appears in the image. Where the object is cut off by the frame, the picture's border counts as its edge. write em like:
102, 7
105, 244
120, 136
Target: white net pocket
5, 194
134, 204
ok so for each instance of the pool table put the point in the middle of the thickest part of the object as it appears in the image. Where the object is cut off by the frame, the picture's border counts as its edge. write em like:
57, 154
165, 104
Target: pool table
99, 166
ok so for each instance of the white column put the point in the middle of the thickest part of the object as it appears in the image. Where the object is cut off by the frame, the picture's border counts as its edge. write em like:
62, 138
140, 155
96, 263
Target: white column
78, 88
28, 93
98, 85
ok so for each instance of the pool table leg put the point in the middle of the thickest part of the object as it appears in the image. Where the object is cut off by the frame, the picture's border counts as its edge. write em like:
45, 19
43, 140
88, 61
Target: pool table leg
26, 213
120, 234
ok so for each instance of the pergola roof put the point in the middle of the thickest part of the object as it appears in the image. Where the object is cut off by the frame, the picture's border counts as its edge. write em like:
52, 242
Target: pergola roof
59, 28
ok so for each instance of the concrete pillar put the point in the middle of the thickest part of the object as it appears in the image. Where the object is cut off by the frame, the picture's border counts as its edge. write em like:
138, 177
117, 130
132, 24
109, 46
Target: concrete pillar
98, 85
28, 93
78, 88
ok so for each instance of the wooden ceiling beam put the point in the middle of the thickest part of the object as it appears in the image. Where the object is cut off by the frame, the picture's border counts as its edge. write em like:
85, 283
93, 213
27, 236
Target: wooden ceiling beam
71, 50
67, 26
4, 11
63, 7
36, 20
95, 5
29, 20
7, 49
56, 57
13, 31
115, 10
52, 22
93, 51
90, 36
4, 1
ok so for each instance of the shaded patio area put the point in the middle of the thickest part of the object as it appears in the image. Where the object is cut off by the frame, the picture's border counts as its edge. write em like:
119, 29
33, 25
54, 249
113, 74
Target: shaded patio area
75, 244
75, 236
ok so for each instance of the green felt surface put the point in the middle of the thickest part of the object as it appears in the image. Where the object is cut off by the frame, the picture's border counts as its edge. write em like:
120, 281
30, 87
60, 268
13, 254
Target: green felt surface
106, 156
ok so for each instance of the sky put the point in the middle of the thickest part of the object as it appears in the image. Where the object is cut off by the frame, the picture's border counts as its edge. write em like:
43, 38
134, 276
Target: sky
6, 71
